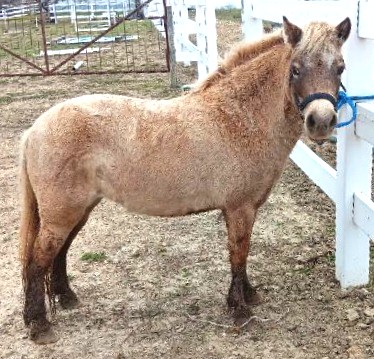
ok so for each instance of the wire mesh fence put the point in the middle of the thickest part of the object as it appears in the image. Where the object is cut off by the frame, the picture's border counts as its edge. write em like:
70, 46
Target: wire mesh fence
76, 36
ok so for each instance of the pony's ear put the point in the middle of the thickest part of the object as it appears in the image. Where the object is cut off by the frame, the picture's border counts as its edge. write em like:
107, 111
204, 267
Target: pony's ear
343, 29
291, 33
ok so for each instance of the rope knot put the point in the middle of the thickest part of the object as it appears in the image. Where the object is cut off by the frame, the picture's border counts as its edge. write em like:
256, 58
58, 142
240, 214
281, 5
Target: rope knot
344, 99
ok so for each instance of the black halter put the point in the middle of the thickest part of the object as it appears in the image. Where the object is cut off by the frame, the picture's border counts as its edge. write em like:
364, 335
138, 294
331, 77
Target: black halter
317, 96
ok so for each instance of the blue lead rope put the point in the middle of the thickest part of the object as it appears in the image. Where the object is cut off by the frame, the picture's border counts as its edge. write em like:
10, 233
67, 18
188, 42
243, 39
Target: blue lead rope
343, 99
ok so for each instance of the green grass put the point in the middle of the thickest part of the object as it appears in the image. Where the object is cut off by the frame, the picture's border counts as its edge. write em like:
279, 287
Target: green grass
330, 257
5, 100
21, 96
306, 270
234, 15
185, 273
23, 37
94, 257
330, 230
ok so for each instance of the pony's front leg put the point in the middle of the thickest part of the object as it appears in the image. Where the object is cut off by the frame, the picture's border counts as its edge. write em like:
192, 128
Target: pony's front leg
241, 294
59, 278
35, 272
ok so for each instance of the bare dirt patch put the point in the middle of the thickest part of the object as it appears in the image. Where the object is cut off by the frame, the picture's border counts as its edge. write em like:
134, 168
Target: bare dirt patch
160, 291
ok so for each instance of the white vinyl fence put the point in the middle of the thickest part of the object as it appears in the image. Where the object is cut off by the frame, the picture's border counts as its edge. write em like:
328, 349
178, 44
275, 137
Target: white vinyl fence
87, 15
194, 39
91, 15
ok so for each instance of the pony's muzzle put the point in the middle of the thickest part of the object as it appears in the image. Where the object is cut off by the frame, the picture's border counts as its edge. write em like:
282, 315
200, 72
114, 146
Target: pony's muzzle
320, 119
314, 124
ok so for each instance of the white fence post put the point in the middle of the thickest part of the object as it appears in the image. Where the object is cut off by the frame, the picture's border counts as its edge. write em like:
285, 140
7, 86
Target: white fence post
211, 36
108, 13
354, 165
201, 40
73, 15
252, 27
206, 36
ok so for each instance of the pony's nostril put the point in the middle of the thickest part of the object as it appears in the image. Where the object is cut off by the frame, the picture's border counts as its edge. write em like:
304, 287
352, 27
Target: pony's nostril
310, 121
333, 121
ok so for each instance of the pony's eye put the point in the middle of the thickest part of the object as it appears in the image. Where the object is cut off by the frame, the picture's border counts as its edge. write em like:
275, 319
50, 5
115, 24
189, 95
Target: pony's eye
295, 71
340, 69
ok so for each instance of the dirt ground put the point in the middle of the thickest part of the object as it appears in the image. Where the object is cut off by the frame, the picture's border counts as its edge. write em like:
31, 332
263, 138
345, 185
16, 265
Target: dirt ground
160, 291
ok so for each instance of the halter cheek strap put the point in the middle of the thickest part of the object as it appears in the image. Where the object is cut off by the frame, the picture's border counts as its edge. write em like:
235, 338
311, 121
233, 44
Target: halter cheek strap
317, 96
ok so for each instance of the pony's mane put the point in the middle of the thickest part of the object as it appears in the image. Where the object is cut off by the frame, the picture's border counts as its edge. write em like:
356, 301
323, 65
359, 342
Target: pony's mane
240, 54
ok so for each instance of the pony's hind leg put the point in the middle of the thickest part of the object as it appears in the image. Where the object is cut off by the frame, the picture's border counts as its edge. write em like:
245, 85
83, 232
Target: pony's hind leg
59, 278
241, 294
35, 273
56, 223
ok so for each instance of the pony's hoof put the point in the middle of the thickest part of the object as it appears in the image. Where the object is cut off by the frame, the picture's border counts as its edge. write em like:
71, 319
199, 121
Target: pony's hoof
42, 334
242, 317
253, 299
68, 301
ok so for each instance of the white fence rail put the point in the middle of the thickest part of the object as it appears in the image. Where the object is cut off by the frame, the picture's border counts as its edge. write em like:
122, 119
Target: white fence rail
19, 11
350, 185
90, 16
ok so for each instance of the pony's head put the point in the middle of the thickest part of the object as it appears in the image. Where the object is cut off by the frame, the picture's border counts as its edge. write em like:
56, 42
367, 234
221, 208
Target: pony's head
315, 71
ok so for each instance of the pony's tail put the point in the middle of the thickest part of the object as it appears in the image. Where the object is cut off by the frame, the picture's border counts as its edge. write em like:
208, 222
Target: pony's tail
30, 220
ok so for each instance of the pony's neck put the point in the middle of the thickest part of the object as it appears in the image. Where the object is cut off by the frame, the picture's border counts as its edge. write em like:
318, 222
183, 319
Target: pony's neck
256, 97
254, 81
263, 79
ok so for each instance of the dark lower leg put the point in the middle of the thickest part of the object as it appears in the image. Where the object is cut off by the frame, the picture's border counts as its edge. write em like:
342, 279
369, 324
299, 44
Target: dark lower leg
241, 293
37, 280
34, 313
34, 309
59, 279
60, 283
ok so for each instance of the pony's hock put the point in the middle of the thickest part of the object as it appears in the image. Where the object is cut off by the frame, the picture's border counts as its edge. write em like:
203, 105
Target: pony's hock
205, 150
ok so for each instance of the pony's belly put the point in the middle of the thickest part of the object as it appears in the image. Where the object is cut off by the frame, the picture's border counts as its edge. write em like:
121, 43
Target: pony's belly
162, 198
166, 207
170, 211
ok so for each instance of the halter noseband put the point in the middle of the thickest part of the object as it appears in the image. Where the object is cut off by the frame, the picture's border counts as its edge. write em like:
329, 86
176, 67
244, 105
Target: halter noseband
317, 96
